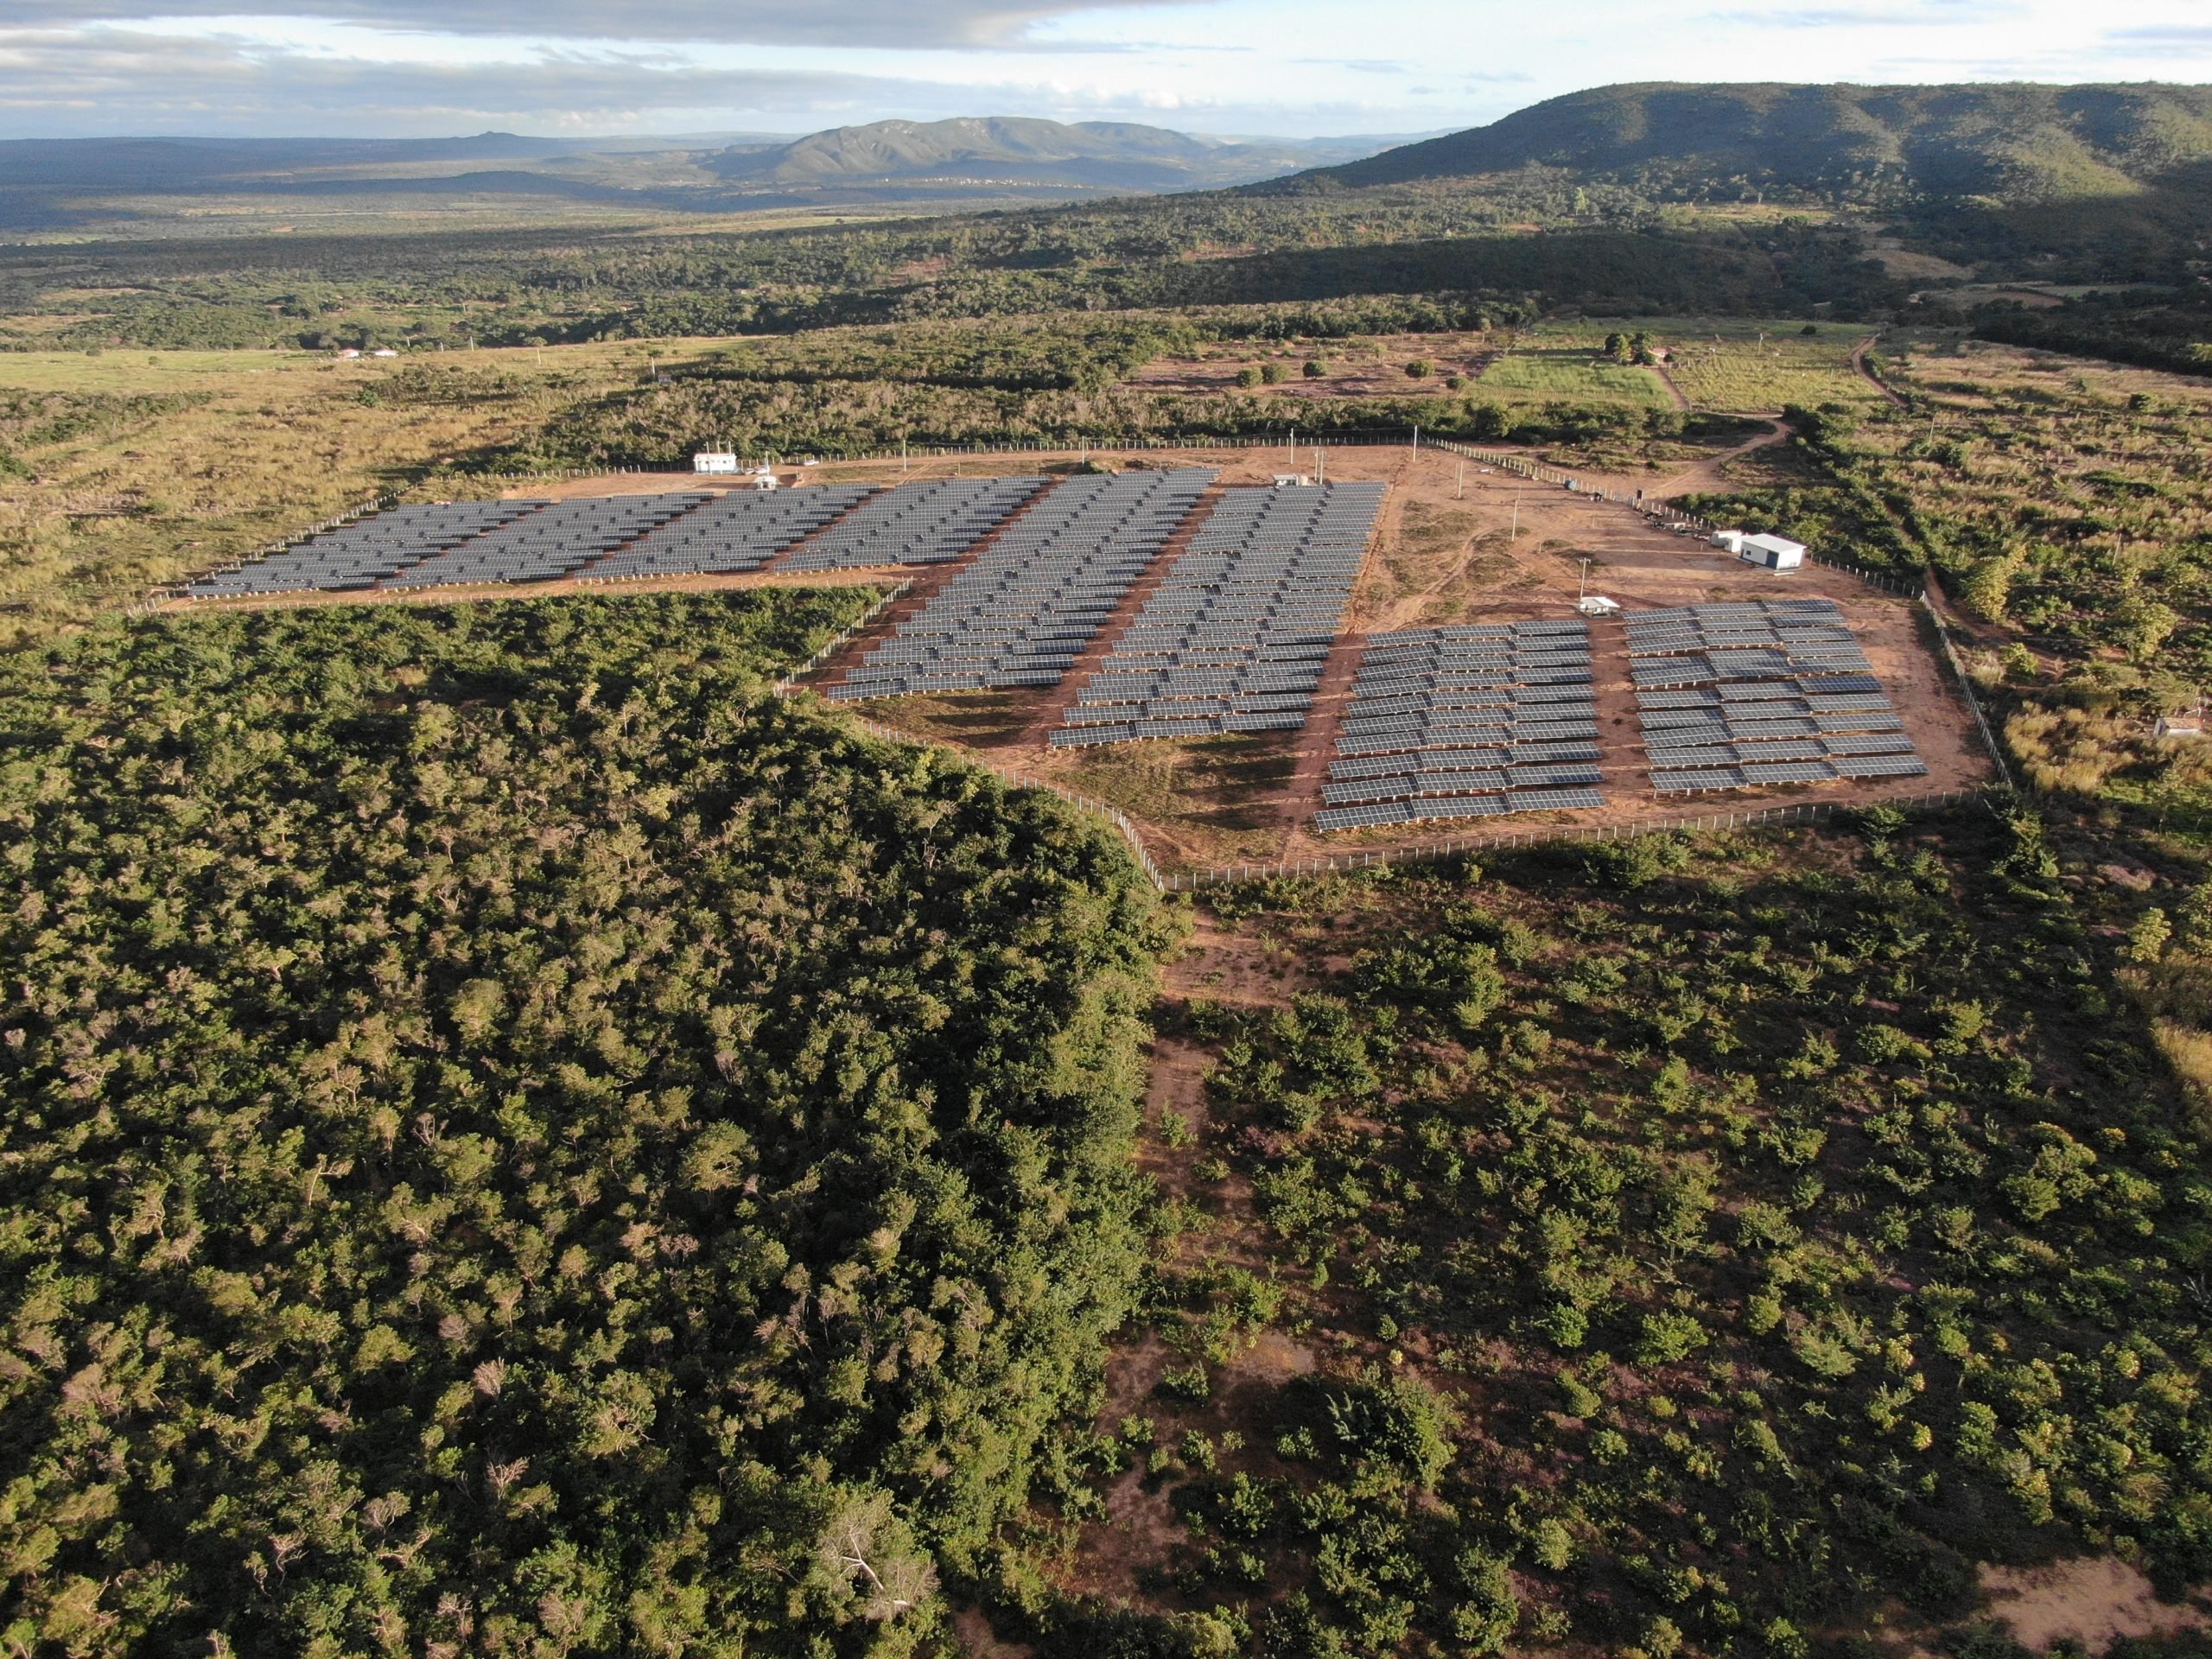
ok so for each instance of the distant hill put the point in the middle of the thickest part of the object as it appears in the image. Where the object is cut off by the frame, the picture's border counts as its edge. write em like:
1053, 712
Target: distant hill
58, 182
2016, 144
1019, 152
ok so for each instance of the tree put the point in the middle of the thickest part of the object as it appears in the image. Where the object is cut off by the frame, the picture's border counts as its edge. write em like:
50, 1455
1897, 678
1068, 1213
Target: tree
1420, 369
868, 1552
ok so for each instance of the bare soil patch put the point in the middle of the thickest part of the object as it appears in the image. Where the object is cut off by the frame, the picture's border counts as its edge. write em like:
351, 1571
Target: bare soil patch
2095, 1600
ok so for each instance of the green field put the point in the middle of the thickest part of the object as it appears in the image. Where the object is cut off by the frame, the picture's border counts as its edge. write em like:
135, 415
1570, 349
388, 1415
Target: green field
1554, 374
1733, 366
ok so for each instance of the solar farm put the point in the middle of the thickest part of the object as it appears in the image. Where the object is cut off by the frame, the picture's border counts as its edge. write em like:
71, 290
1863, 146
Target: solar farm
1021, 612
1253, 672
1467, 722
1775, 691
1236, 638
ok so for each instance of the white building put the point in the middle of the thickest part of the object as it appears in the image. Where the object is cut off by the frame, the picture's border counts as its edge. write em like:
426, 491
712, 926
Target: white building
1775, 552
714, 460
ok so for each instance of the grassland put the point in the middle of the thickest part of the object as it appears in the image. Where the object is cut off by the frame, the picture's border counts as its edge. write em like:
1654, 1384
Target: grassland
130, 469
1735, 365
1548, 373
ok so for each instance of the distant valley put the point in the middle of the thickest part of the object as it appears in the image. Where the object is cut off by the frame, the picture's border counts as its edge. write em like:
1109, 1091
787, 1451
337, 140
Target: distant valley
138, 185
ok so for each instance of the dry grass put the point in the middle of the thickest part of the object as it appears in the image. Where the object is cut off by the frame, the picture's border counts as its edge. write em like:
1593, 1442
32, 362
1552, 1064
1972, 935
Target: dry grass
2189, 1051
249, 448
1215, 800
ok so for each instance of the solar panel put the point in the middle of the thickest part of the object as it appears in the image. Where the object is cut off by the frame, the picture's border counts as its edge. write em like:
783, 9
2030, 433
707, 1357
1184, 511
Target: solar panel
1020, 613
1250, 610
1881, 766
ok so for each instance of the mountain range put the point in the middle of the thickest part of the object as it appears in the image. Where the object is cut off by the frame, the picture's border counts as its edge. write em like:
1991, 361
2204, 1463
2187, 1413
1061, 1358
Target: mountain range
58, 182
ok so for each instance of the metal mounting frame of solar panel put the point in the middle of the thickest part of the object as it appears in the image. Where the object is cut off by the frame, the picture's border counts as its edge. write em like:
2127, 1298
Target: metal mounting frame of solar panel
1697, 783
1881, 766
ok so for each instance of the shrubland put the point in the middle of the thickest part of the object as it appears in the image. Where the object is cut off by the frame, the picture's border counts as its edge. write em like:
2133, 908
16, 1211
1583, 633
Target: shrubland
519, 1141
1696, 1244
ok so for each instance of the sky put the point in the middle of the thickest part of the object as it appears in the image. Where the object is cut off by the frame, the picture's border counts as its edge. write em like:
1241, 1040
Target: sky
1294, 68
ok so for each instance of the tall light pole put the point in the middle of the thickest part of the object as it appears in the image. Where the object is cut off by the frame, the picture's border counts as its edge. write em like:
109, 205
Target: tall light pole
1582, 588
1516, 535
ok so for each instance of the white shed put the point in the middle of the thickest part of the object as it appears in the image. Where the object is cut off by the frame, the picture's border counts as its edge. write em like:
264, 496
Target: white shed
714, 460
1775, 552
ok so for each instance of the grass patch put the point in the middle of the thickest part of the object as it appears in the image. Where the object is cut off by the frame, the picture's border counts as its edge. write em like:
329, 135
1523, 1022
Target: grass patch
1219, 800
1571, 375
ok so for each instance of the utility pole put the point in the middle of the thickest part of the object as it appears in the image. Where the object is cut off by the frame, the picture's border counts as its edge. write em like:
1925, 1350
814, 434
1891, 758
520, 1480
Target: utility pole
1582, 588
1320, 464
1516, 535
1462, 494
903, 463
1416, 440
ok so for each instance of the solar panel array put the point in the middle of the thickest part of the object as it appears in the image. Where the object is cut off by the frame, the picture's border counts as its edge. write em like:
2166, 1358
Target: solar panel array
1462, 722
1023, 612
365, 552
1755, 639
1236, 636
1769, 691
928, 522
731, 534
557, 540
614, 537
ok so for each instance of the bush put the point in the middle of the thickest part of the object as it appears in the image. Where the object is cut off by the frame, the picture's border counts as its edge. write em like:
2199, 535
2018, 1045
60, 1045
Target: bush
1420, 369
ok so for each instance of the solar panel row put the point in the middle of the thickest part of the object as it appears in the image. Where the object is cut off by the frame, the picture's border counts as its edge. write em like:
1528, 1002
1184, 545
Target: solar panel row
1470, 806
1776, 691
1024, 610
930, 521
729, 535
1475, 721
690, 533
558, 540
365, 552
1249, 610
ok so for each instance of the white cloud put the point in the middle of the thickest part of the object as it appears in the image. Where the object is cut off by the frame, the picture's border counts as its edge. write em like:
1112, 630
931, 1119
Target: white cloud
409, 66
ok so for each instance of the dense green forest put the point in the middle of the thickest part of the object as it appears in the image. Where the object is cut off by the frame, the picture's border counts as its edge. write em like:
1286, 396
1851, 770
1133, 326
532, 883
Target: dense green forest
520, 1142
1699, 1242
422, 293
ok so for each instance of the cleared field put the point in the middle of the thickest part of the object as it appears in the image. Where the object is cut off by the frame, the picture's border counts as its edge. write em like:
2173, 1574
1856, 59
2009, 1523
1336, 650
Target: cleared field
1734, 364
1570, 374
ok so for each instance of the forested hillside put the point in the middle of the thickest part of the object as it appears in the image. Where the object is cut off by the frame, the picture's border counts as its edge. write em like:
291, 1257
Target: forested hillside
1879, 145
518, 1142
